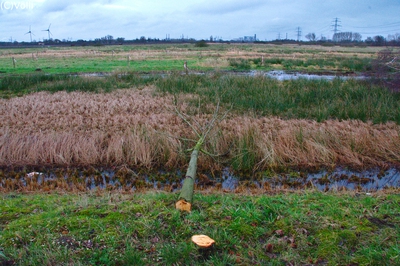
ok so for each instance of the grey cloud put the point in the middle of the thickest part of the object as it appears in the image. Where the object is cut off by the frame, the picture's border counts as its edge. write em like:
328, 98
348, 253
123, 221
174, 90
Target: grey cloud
64, 5
199, 18
225, 7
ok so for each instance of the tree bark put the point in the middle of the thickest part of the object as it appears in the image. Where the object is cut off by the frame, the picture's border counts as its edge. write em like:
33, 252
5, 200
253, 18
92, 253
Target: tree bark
186, 196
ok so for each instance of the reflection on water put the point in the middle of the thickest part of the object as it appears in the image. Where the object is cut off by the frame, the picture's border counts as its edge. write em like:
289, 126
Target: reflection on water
276, 74
367, 180
129, 180
339, 179
283, 75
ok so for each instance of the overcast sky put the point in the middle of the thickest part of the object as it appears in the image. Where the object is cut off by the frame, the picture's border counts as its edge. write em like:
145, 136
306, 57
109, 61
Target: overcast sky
199, 19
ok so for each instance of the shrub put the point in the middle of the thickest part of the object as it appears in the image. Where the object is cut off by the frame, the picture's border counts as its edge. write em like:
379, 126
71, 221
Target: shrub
201, 43
239, 63
386, 69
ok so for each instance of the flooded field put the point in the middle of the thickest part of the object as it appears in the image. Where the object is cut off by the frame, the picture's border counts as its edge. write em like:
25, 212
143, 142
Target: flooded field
125, 179
283, 75
275, 74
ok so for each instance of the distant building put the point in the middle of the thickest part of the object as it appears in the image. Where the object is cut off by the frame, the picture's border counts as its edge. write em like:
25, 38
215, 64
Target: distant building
248, 38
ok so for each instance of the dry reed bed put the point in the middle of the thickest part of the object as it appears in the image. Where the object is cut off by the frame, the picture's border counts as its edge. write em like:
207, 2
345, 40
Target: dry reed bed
138, 128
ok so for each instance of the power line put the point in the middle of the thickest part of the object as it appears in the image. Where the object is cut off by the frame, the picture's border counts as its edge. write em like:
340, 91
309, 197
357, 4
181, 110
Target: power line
323, 28
379, 32
389, 25
298, 33
336, 25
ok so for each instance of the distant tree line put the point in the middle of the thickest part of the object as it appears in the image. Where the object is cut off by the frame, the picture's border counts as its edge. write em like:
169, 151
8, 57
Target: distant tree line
341, 38
355, 37
347, 37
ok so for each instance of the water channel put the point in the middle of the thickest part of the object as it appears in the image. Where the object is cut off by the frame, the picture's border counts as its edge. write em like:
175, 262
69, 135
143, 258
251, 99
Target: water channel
129, 180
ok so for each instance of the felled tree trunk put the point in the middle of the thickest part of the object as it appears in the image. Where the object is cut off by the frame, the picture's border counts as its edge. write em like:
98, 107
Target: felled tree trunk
186, 197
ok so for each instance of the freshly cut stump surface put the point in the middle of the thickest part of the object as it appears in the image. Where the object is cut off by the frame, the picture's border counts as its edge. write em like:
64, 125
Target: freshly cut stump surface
203, 241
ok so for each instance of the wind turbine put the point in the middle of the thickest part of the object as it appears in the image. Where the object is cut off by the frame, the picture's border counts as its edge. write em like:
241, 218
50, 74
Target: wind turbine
30, 33
48, 31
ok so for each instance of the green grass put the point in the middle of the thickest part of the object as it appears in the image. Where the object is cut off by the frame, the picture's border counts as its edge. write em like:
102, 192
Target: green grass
89, 65
341, 64
170, 57
19, 85
145, 229
100, 59
293, 99
12, 86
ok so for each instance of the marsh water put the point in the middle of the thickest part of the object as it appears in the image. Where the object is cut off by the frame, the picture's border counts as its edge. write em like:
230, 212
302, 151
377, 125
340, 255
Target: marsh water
284, 75
129, 180
275, 74
339, 179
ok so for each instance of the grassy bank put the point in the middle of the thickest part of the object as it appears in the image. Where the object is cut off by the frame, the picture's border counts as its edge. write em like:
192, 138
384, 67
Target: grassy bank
308, 228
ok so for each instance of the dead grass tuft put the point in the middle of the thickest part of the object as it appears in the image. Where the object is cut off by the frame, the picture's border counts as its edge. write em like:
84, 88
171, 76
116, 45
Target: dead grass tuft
137, 128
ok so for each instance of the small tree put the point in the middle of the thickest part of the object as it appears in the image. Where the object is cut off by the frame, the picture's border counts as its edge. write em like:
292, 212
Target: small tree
379, 40
386, 68
357, 37
109, 39
120, 40
142, 39
311, 37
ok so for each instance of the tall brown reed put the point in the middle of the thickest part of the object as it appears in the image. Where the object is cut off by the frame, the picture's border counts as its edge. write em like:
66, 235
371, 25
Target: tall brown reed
138, 128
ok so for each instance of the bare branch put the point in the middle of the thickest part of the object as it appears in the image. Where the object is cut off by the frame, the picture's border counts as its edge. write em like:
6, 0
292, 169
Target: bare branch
186, 196
216, 118
173, 137
187, 121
